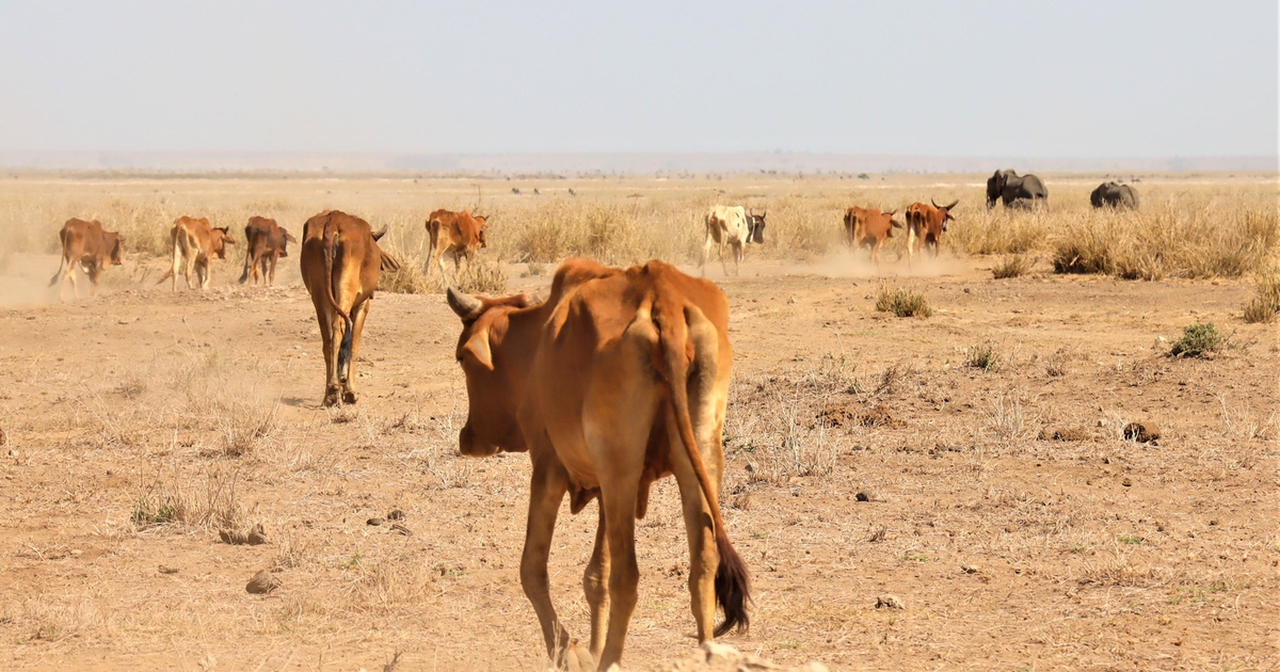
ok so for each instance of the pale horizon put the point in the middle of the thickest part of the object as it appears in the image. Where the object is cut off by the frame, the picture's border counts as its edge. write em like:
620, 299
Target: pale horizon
1093, 81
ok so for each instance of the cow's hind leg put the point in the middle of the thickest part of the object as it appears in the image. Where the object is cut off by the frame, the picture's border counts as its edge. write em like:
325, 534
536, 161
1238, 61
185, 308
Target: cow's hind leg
703, 557
595, 585
546, 491
350, 350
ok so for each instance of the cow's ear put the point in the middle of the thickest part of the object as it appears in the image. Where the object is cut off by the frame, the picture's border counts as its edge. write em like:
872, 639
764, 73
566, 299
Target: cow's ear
478, 346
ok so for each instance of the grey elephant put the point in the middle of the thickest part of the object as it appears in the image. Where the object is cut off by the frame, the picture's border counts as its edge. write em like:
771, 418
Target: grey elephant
1114, 195
1008, 186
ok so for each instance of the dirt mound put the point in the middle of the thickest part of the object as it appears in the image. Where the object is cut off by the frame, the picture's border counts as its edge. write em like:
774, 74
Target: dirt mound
717, 657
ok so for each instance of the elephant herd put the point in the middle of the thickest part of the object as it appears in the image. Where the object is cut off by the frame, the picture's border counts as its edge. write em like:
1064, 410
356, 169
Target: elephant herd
1027, 191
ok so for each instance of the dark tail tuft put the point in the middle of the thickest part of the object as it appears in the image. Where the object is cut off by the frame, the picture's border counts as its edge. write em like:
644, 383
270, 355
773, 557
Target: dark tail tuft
733, 587
344, 351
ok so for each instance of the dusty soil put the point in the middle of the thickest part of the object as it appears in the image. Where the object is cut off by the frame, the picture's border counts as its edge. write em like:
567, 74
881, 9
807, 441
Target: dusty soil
1003, 508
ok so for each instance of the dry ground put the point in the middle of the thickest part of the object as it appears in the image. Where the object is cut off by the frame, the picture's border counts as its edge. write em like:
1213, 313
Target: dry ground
138, 423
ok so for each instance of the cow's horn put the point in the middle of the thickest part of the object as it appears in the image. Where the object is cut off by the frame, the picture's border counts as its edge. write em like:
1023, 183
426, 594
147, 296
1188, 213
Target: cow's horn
380, 233
466, 306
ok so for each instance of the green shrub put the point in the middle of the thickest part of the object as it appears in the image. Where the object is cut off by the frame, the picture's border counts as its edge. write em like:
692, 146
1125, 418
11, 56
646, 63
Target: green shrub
1198, 340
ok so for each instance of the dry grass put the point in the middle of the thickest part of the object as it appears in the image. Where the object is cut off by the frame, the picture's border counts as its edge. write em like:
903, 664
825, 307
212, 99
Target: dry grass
1012, 266
902, 302
176, 501
1181, 231
1266, 301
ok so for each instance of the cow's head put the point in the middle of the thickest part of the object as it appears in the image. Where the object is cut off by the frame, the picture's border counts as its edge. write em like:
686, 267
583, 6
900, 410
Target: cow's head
116, 242
495, 371
218, 245
285, 239
893, 223
756, 225
945, 211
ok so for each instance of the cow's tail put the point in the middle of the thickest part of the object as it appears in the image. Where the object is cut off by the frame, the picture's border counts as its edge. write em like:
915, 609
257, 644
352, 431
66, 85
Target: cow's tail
733, 588
248, 258
62, 261
173, 267
330, 238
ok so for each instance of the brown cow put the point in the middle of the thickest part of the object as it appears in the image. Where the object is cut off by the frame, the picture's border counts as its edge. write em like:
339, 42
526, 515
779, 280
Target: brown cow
618, 379
265, 242
341, 265
927, 223
195, 245
457, 235
89, 246
867, 227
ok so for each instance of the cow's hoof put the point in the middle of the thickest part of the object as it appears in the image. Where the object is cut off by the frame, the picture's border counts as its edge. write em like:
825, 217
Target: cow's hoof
330, 397
348, 397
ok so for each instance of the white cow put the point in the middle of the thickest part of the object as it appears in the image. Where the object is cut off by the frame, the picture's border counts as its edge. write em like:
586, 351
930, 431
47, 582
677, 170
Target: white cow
732, 226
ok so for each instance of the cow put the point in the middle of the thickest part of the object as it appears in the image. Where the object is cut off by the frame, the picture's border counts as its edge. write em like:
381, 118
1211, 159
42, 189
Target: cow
927, 223
265, 243
455, 235
1008, 186
866, 227
619, 378
195, 245
341, 265
89, 246
1114, 195
730, 225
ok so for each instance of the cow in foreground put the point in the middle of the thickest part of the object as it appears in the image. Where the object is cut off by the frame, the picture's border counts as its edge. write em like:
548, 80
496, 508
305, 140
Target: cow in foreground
1011, 188
618, 379
455, 235
925, 225
868, 227
341, 265
731, 226
195, 245
1114, 195
265, 243
89, 246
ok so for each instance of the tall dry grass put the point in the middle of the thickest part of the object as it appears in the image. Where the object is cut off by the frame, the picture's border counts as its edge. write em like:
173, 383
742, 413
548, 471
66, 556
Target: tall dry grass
1189, 228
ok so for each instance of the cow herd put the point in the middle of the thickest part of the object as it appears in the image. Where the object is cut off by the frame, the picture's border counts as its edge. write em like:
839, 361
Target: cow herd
618, 379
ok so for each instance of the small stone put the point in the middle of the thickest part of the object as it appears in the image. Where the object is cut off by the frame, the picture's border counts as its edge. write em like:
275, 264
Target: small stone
397, 527
374, 521
262, 583
395, 514
164, 569
971, 569
889, 602
863, 496
1126, 482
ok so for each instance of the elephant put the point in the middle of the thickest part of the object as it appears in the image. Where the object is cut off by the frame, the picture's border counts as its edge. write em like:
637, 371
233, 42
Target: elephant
1008, 186
1114, 195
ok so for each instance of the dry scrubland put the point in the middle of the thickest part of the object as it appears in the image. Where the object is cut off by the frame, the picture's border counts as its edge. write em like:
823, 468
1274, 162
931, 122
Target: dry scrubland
973, 463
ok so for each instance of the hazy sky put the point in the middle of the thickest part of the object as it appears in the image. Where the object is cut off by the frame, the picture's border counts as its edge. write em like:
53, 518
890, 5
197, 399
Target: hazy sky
1090, 78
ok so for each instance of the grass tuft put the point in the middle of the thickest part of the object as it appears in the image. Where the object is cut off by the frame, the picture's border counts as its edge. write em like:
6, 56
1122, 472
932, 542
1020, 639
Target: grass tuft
903, 303
1011, 267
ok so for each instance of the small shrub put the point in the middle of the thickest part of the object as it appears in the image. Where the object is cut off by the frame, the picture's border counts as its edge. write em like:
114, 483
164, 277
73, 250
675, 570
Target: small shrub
903, 303
1011, 267
983, 356
1198, 340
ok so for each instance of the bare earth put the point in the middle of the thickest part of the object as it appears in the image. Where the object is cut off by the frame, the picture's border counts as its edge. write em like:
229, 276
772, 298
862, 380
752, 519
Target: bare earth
1006, 512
